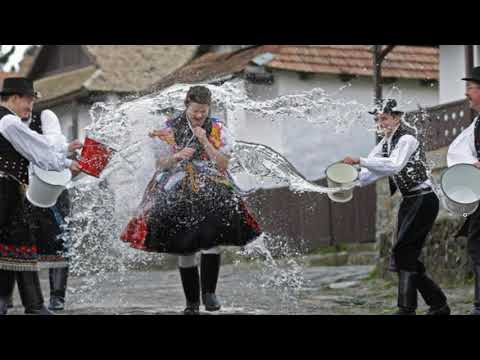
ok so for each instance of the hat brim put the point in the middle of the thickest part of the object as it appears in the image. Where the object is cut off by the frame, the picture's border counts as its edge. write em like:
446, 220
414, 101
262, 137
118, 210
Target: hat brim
388, 112
36, 94
472, 79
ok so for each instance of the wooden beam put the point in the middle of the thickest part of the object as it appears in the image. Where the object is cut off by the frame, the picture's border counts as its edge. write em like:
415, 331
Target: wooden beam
386, 51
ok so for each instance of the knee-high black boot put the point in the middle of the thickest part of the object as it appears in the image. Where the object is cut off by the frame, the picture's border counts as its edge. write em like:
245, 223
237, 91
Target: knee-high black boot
10, 299
31, 293
210, 265
191, 287
434, 296
58, 288
407, 293
476, 308
7, 283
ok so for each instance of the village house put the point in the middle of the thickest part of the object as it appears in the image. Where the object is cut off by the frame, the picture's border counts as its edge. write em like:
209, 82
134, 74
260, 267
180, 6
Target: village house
271, 71
73, 77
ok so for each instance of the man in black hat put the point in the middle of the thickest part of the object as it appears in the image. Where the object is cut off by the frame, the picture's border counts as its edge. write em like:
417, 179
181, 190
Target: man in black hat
20, 146
400, 156
465, 149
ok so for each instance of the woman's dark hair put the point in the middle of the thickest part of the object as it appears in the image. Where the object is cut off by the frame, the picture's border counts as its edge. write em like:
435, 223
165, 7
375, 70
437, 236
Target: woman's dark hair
199, 95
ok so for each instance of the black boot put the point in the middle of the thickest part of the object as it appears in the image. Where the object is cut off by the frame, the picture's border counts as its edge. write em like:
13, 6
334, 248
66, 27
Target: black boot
210, 264
407, 293
191, 288
31, 293
434, 296
58, 287
7, 284
476, 309
10, 301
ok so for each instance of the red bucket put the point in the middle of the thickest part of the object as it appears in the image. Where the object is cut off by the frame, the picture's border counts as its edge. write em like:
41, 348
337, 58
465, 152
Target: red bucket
95, 157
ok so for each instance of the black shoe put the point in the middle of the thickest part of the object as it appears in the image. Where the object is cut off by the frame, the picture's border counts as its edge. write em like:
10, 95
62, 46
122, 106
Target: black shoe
211, 302
210, 264
192, 309
10, 301
3, 305
56, 303
443, 310
7, 284
31, 293
434, 296
404, 312
407, 293
58, 288
191, 287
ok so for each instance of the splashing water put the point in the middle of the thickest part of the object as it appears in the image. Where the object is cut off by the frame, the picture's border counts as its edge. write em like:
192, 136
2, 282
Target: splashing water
263, 162
281, 269
101, 207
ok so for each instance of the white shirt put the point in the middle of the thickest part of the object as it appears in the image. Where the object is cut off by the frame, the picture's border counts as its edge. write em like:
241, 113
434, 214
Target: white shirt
462, 150
34, 147
53, 132
375, 166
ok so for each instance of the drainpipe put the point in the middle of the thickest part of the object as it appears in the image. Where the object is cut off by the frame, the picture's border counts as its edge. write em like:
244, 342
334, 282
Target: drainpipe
469, 60
378, 57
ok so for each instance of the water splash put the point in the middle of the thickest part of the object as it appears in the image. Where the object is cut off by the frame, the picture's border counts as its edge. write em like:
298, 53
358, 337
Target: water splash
263, 162
102, 206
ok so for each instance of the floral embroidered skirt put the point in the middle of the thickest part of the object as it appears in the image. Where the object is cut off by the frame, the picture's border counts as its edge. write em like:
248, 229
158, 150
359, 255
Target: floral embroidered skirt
47, 230
18, 250
185, 211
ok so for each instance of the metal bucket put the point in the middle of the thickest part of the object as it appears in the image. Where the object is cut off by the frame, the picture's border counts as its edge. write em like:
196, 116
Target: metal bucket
460, 189
340, 175
46, 186
95, 157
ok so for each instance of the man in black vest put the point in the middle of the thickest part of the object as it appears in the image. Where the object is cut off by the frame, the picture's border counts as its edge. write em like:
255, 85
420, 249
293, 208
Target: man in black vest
47, 225
20, 146
400, 156
465, 149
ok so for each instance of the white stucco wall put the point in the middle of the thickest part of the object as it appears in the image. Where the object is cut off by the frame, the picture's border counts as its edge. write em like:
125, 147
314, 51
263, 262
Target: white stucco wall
452, 70
312, 147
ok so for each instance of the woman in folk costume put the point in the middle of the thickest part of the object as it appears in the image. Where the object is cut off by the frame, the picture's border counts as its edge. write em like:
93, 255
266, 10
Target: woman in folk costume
49, 224
190, 204
401, 156
465, 149
20, 146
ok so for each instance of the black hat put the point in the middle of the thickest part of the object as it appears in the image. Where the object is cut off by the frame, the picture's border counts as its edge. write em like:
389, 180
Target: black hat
388, 106
475, 75
19, 86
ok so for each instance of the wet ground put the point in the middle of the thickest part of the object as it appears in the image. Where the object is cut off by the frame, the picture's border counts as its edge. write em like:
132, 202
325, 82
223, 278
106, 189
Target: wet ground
244, 289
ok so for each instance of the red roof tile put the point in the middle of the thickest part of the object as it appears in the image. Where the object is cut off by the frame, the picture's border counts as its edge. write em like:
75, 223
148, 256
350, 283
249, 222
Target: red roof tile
408, 62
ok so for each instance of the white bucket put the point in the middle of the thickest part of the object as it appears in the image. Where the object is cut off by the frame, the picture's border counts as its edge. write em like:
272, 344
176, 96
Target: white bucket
46, 186
460, 189
339, 175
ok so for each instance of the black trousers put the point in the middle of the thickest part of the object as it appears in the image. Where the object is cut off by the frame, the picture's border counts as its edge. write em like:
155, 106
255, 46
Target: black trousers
416, 217
473, 235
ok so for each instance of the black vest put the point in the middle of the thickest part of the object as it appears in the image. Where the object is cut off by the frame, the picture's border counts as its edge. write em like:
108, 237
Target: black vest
477, 137
36, 123
415, 172
11, 161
